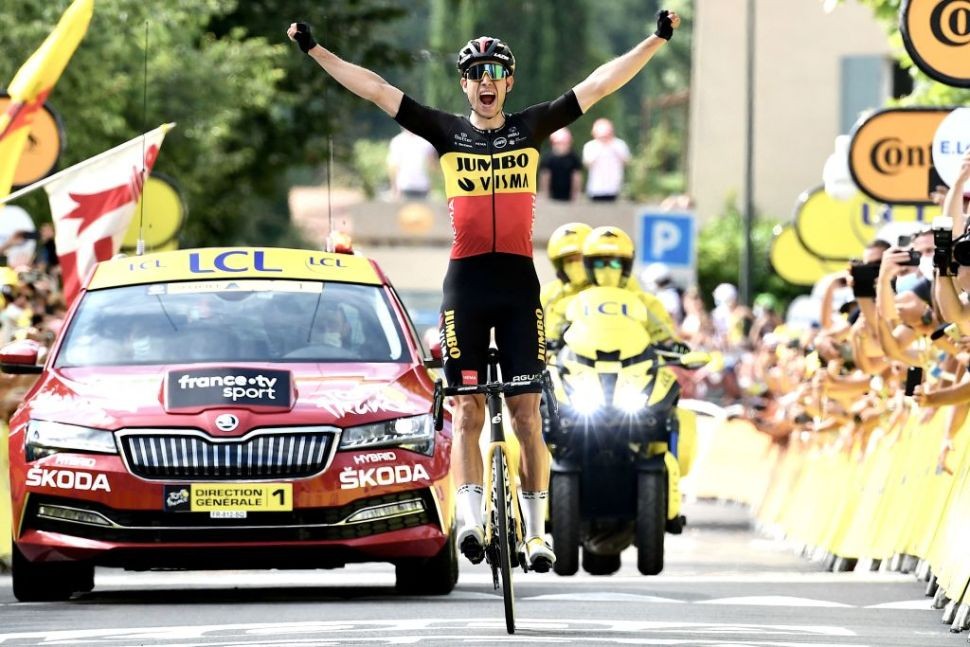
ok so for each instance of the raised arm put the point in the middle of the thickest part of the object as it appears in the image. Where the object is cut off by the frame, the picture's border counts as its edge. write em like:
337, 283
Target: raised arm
359, 80
610, 77
953, 203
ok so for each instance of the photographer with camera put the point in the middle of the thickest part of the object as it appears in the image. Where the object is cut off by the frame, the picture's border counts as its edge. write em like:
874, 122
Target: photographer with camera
952, 259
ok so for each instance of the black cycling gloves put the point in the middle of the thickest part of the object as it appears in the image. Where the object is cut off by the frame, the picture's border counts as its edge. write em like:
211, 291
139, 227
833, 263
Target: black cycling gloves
305, 39
665, 29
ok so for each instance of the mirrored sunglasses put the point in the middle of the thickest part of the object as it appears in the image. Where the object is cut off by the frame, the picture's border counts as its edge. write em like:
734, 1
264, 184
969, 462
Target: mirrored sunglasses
495, 71
612, 263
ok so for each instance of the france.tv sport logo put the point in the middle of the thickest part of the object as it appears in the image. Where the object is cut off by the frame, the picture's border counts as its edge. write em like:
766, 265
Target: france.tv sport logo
228, 386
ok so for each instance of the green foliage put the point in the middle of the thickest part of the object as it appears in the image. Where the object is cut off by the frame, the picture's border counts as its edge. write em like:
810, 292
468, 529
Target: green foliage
720, 245
370, 166
249, 106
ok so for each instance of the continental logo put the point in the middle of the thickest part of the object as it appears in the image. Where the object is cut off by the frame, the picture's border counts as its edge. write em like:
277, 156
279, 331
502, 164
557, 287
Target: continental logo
509, 172
937, 36
451, 337
891, 154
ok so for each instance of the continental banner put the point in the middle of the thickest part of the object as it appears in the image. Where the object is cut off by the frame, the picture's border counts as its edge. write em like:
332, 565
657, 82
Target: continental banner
838, 230
795, 264
43, 148
891, 154
936, 34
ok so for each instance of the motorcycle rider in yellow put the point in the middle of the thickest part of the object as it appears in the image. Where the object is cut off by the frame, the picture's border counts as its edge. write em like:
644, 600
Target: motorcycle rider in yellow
565, 251
608, 261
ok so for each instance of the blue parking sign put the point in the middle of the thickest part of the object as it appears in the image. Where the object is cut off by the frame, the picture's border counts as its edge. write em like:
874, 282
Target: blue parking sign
665, 237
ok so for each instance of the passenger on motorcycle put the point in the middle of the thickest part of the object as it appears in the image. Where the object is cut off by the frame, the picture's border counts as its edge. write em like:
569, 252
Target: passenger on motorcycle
565, 251
607, 261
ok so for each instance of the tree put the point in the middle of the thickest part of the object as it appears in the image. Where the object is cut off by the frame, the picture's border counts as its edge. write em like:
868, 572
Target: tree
251, 110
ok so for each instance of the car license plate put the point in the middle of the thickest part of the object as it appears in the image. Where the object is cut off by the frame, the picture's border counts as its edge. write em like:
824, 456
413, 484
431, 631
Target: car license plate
230, 497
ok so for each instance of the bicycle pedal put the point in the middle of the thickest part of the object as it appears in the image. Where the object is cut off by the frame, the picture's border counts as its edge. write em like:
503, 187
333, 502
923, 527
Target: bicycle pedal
472, 550
542, 565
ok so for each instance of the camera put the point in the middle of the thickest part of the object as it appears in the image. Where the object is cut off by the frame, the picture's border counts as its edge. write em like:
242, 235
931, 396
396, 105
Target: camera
864, 279
914, 257
943, 246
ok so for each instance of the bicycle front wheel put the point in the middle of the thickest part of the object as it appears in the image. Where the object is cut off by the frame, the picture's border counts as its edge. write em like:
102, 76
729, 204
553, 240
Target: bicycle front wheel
503, 535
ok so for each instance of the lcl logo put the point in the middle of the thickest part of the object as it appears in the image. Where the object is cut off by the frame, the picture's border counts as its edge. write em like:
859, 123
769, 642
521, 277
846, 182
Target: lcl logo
937, 36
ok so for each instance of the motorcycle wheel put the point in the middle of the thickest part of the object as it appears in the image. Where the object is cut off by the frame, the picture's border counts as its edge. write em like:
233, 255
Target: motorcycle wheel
651, 521
600, 564
564, 490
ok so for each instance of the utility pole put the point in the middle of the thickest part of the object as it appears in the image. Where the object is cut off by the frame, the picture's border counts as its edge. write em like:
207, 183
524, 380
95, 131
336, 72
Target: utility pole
746, 254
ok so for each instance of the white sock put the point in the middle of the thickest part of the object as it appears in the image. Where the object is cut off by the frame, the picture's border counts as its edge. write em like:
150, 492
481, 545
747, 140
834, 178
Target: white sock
534, 513
470, 505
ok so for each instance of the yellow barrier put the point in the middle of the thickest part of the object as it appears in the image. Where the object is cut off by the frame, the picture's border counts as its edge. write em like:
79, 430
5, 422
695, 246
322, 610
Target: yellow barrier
852, 497
6, 531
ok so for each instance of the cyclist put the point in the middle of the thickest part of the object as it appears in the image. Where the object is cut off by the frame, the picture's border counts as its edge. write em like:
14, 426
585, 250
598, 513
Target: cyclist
565, 250
490, 161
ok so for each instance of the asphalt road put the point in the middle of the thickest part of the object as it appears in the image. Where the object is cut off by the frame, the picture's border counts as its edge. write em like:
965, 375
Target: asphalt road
724, 586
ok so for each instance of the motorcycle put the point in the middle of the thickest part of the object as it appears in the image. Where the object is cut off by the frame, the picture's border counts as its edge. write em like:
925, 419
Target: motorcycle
620, 444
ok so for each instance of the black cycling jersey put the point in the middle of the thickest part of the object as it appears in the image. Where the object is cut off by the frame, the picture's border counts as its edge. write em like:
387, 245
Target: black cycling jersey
491, 176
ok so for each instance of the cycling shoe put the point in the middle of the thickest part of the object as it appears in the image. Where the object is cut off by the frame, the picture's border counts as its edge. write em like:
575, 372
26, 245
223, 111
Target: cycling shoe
539, 556
471, 543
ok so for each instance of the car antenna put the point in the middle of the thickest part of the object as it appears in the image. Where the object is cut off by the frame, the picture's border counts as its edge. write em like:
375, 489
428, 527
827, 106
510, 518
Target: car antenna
140, 244
328, 165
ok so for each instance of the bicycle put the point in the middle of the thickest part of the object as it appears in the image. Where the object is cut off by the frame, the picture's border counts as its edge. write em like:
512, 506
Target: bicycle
503, 518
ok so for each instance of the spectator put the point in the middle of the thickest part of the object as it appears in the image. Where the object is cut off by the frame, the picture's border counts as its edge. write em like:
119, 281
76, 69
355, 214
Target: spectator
605, 157
409, 162
560, 173
657, 279
697, 328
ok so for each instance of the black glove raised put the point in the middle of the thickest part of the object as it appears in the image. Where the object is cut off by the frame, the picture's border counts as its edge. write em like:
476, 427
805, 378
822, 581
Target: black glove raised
665, 28
304, 38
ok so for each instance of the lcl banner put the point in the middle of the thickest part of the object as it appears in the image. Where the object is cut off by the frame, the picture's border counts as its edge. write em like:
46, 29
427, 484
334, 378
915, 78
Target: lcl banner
937, 36
891, 154
839, 230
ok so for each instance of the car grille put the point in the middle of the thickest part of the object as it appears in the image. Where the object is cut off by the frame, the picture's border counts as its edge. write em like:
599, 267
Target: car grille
267, 454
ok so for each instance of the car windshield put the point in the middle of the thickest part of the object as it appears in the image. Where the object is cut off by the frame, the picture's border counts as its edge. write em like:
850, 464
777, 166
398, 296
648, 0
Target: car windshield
233, 321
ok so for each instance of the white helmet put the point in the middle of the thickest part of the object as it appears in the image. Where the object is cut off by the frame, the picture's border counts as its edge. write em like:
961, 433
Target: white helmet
655, 274
725, 292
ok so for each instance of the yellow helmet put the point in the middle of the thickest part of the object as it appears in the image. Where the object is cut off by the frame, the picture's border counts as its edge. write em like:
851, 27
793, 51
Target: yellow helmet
608, 248
565, 241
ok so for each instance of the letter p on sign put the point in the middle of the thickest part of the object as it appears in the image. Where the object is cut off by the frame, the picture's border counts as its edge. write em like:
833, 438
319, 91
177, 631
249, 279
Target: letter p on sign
667, 238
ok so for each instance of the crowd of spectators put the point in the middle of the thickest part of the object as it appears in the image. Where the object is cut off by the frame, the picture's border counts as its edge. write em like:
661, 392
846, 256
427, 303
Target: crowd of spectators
31, 300
891, 340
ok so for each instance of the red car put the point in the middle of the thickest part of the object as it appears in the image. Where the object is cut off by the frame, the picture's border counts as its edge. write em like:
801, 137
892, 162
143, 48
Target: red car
230, 408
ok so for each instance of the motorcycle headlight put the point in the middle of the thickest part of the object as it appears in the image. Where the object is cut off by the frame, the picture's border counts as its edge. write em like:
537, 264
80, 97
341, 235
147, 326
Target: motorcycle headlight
587, 401
45, 438
630, 401
415, 433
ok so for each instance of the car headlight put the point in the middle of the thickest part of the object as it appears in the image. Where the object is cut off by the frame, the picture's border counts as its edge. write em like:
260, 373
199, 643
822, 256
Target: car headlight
415, 433
45, 438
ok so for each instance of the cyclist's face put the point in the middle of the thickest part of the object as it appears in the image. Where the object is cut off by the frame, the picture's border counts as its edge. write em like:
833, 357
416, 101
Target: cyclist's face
486, 96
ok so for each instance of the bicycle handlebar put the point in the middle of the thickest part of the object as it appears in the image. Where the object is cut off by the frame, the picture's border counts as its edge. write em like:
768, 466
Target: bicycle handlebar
489, 387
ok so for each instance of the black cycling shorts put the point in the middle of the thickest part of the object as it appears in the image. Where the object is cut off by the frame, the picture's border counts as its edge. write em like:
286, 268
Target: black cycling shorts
485, 292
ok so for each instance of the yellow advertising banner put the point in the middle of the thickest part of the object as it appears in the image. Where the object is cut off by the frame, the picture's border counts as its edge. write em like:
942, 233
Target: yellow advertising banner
838, 230
937, 36
891, 154
158, 217
795, 264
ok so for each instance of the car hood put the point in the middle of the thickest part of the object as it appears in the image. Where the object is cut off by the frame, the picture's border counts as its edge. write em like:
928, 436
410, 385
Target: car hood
324, 394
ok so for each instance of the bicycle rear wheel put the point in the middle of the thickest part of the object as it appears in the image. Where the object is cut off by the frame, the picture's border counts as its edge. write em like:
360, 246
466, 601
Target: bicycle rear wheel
503, 534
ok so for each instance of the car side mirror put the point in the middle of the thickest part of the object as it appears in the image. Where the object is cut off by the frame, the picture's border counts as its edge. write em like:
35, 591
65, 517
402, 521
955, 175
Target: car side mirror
433, 341
20, 358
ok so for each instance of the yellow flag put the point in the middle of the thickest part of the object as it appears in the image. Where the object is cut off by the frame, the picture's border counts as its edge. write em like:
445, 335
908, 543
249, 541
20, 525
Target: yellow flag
34, 82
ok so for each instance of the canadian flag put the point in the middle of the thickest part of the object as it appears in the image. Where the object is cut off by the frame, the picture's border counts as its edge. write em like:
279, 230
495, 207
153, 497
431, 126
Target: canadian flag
92, 204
